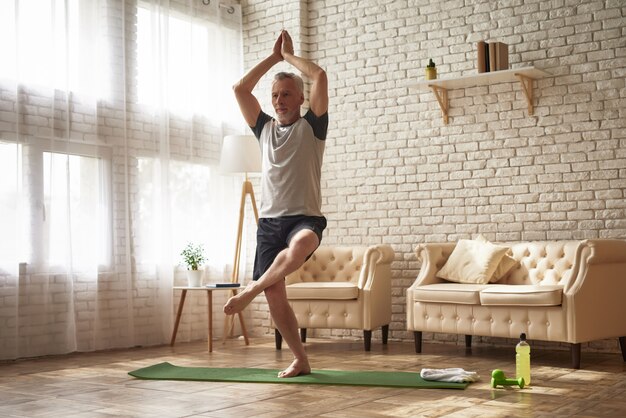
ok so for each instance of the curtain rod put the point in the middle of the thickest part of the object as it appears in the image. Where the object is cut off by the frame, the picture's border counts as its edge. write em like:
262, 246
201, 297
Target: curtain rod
229, 9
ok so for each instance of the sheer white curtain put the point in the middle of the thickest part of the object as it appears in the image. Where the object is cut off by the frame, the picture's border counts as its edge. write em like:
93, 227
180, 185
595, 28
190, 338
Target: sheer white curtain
112, 115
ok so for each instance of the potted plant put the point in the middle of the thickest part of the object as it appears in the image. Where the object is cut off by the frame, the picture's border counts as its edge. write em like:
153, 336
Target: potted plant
431, 71
193, 256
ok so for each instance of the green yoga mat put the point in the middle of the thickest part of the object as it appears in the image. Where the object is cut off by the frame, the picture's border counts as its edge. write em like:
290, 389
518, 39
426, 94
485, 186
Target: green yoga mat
167, 371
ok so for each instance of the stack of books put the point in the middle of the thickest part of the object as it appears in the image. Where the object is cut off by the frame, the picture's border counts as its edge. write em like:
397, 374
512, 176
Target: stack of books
492, 56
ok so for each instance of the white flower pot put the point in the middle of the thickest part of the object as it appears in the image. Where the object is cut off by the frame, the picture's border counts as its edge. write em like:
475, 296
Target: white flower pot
194, 278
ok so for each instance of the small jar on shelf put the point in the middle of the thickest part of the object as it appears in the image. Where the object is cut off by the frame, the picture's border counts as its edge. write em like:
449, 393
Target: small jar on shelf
431, 71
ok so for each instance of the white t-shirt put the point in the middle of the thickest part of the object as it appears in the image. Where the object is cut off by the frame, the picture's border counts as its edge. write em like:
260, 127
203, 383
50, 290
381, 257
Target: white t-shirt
291, 158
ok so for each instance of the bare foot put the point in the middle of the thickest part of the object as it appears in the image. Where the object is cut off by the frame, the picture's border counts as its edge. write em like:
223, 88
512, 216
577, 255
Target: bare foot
297, 368
238, 302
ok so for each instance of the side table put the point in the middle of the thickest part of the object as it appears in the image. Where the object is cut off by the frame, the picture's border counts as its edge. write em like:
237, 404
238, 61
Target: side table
209, 292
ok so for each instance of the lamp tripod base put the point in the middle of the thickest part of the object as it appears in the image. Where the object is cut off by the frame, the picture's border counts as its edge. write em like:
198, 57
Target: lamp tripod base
229, 324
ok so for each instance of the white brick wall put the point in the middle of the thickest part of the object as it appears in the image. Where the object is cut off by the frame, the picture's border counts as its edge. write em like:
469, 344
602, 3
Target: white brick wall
394, 173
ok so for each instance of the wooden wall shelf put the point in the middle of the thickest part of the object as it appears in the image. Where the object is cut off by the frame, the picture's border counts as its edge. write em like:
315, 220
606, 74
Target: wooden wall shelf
524, 75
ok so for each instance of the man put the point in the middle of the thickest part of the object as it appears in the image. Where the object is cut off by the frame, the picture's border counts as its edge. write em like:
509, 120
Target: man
291, 223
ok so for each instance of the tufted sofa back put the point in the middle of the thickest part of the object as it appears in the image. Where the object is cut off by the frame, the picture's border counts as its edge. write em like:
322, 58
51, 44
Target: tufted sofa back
329, 264
542, 263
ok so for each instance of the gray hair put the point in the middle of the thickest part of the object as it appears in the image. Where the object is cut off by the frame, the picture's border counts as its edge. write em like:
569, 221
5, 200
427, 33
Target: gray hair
283, 75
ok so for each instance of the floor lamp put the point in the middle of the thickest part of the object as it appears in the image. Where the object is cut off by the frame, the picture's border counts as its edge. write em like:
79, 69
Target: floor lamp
240, 154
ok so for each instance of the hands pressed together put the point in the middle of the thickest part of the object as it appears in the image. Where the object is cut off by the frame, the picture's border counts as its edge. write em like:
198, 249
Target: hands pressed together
283, 45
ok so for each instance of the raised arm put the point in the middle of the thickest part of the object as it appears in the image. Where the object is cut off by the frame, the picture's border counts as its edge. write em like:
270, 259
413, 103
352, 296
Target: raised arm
249, 105
318, 99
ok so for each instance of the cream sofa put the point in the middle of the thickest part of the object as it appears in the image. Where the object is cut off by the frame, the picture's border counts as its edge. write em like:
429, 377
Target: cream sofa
345, 288
566, 291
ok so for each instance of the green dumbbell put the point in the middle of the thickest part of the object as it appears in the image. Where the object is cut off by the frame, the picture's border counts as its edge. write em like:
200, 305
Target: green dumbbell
498, 378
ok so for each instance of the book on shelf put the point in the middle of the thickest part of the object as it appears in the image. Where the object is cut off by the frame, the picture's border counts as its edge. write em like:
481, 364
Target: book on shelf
502, 56
492, 56
486, 57
220, 285
480, 46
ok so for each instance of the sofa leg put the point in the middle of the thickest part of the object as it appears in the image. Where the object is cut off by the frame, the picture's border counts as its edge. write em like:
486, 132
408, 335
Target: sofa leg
385, 333
303, 335
417, 335
622, 345
278, 338
367, 339
468, 341
575, 351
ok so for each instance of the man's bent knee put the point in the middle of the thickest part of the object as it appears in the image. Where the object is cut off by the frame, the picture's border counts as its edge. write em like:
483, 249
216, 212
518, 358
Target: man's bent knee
304, 243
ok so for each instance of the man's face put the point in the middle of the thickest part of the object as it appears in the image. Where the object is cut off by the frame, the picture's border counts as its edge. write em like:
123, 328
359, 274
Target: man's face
286, 99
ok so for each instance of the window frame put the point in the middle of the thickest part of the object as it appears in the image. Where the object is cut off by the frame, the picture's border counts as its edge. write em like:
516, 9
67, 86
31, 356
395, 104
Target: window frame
39, 146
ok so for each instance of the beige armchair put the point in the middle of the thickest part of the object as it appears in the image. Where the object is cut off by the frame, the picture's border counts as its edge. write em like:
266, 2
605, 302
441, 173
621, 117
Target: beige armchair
343, 287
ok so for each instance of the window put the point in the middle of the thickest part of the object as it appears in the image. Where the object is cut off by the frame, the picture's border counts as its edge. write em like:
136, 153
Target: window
78, 186
57, 36
54, 207
186, 74
55, 180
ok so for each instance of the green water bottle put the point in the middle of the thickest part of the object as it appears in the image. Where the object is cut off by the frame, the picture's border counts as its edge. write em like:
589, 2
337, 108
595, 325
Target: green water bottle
522, 359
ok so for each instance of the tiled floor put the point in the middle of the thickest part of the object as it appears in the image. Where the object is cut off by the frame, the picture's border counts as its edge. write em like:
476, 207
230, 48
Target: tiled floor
97, 384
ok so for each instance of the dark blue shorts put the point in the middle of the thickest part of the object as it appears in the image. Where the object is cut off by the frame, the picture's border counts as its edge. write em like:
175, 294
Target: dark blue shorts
273, 236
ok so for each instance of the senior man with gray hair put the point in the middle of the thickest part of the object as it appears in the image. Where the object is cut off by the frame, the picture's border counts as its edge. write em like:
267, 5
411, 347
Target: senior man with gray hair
291, 222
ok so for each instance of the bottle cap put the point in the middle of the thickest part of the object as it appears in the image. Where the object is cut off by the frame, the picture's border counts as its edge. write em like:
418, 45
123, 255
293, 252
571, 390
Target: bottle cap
522, 336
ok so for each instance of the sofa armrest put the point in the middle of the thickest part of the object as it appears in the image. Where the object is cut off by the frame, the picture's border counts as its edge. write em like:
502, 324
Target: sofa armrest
375, 286
606, 251
603, 253
376, 258
594, 297
433, 256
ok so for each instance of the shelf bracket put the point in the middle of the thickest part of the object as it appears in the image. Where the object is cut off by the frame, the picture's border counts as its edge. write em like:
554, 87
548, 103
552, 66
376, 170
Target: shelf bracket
527, 89
442, 97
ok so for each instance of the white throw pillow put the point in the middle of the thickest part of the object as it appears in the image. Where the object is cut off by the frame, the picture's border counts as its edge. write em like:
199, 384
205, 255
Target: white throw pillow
472, 262
505, 265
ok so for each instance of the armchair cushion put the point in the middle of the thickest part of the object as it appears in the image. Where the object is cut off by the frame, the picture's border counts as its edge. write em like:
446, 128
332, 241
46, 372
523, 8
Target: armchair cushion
323, 290
472, 262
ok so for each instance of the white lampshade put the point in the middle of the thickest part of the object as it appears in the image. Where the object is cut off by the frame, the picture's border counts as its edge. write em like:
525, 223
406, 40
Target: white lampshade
240, 154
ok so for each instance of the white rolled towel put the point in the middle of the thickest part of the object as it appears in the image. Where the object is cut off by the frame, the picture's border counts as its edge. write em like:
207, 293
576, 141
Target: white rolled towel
454, 374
